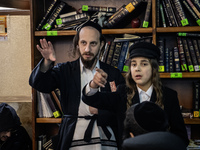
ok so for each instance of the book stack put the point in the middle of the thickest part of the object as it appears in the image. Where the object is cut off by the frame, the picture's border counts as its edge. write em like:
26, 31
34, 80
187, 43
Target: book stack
116, 51
55, 18
48, 105
173, 13
185, 57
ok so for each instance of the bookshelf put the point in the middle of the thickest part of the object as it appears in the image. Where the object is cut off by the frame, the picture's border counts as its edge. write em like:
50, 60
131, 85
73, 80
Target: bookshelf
182, 85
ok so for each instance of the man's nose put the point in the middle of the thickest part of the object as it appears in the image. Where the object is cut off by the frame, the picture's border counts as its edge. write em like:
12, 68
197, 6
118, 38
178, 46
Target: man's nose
87, 48
8, 134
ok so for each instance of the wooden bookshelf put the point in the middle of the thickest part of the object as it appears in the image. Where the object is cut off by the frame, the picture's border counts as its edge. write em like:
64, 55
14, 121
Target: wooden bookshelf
182, 83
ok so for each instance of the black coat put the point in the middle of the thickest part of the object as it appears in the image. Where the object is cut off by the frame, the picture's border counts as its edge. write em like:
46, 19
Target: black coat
66, 77
117, 102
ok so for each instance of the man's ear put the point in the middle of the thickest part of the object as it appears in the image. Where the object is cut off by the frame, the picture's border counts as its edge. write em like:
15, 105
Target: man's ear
131, 134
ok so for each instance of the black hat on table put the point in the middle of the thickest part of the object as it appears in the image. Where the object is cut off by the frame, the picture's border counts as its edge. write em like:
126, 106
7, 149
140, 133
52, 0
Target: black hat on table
144, 49
91, 24
147, 117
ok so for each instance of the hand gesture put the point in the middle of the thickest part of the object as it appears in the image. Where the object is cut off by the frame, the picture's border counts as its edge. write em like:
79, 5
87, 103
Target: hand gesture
47, 50
99, 79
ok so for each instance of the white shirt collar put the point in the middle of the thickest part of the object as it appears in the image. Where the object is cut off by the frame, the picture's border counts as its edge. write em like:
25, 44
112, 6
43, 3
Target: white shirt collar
82, 68
148, 92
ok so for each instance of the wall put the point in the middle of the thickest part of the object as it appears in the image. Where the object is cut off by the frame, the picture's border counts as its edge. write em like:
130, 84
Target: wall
15, 56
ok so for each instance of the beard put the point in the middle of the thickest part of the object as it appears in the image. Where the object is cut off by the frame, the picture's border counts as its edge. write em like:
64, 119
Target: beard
88, 63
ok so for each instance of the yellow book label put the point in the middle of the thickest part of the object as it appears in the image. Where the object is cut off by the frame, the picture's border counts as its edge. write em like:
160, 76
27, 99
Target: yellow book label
130, 7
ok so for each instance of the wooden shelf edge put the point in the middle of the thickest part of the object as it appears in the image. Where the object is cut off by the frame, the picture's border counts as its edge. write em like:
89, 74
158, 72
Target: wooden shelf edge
48, 120
58, 120
178, 29
184, 75
15, 99
104, 31
192, 121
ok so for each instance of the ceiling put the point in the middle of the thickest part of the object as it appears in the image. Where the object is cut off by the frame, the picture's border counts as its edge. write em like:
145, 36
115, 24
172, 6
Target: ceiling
19, 4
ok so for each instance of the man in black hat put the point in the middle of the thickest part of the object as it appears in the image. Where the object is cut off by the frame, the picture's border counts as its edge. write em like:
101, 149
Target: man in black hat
83, 127
13, 136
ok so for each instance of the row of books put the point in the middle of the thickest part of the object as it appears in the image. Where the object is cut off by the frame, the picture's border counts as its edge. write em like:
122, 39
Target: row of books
61, 16
174, 13
185, 57
116, 51
48, 104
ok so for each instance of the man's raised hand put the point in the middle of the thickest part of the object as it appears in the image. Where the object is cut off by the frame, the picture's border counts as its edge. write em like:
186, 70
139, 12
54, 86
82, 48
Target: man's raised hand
46, 50
100, 79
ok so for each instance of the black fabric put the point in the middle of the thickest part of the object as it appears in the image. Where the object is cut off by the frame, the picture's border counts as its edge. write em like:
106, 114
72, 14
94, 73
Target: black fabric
117, 102
8, 117
154, 141
66, 77
91, 24
144, 49
153, 117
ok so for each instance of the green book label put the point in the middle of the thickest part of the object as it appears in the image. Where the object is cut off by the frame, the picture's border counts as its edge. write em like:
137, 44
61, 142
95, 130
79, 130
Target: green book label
176, 75
198, 22
161, 68
184, 22
52, 33
126, 68
85, 7
184, 67
145, 24
58, 21
47, 27
56, 114
181, 34
191, 68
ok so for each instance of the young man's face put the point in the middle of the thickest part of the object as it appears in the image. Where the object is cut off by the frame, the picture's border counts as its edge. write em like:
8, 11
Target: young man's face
4, 135
89, 45
141, 72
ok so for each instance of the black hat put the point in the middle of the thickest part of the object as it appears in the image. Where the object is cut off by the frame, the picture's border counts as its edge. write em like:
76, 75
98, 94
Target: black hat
144, 49
154, 141
8, 117
91, 24
148, 117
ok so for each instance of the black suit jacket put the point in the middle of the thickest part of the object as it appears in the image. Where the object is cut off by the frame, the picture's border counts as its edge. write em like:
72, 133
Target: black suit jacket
117, 102
66, 77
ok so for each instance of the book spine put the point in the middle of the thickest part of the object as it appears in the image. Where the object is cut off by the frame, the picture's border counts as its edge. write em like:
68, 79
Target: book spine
115, 59
193, 55
158, 13
105, 54
193, 14
188, 34
68, 14
171, 13
71, 18
197, 4
111, 52
47, 14
188, 56
147, 15
171, 60
162, 16
196, 51
166, 59
167, 14
161, 45
53, 16
194, 8
181, 13
176, 60
196, 100
182, 55
115, 19
98, 8
56, 96
123, 55
176, 13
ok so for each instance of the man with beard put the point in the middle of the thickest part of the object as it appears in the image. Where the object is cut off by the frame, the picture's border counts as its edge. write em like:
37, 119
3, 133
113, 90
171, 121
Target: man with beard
83, 127
13, 136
